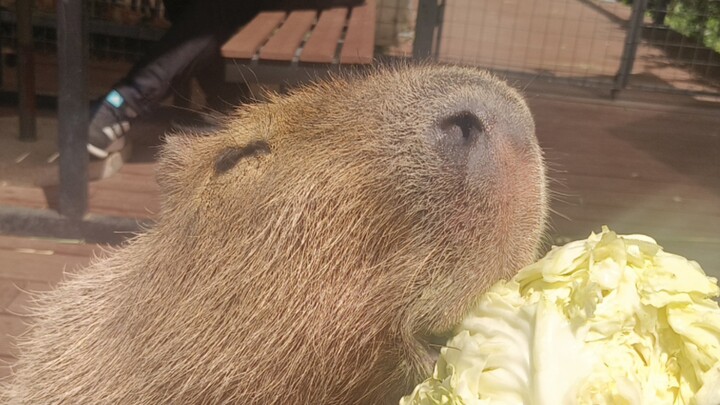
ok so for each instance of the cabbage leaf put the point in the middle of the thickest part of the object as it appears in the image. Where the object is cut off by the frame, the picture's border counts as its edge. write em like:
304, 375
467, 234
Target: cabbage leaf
607, 320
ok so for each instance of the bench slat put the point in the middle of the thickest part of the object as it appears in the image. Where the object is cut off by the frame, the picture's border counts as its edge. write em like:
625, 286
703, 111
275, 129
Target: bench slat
282, 46
321, 46
360, 37
250, 38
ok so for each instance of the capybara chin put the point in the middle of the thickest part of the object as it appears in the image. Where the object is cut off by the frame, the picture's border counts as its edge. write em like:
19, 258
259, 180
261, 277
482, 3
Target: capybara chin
313, 251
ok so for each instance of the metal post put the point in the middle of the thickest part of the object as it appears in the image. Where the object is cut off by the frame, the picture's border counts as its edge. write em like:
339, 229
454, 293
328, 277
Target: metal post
2, 63
427, 20
72, 108
632, 40
26, 71
438, 33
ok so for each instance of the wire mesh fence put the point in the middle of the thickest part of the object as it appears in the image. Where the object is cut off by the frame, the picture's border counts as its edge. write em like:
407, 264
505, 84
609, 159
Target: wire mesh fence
578, 41
118, 29
680, 46
563, 38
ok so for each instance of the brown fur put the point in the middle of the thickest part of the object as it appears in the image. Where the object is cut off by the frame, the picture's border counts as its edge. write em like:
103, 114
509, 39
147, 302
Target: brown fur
317, 266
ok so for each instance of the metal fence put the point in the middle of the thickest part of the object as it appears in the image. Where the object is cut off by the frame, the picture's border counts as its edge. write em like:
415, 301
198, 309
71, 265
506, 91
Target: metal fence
583, 42
679, 47
118, 29
665, 45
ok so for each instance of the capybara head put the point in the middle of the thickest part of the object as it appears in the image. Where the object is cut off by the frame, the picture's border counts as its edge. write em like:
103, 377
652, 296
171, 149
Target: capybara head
316, 249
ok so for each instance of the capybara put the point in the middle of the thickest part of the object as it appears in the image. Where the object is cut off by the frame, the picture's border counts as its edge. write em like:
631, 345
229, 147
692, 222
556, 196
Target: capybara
316, 249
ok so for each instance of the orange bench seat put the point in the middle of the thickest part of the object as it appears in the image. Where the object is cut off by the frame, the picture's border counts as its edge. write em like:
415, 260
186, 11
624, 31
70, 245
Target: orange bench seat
282, 45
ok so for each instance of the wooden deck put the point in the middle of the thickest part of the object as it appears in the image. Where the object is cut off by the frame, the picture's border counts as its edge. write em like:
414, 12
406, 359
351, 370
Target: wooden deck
31, 265
132, 192
648, 169
639, 168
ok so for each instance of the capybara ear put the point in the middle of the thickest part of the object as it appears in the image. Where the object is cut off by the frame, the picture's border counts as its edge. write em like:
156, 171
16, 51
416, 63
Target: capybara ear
230, 156
190, 162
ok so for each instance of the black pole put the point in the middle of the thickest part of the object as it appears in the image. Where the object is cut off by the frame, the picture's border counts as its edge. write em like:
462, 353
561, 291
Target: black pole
26, 71
72, 108
632, 40
427, 20
438, 32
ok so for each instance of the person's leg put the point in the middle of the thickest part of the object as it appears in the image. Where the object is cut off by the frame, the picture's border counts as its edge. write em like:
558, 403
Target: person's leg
192, 41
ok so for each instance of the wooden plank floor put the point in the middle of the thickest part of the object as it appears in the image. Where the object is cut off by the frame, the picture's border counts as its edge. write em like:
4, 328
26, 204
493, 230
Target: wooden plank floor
31, 265
637, 168
131, 192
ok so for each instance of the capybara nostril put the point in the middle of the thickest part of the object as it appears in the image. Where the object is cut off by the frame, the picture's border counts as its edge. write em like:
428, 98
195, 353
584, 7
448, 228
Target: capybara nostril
457, 134
464, 124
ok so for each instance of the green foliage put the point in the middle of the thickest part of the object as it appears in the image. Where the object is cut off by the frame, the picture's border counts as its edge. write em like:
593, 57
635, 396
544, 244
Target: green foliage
697, 19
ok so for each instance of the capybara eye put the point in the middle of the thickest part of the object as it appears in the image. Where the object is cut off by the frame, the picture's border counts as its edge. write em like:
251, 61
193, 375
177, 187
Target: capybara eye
230, 157
465, 124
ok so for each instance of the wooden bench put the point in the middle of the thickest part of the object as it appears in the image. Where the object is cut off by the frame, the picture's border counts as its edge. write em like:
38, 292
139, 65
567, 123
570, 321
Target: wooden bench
288, 47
